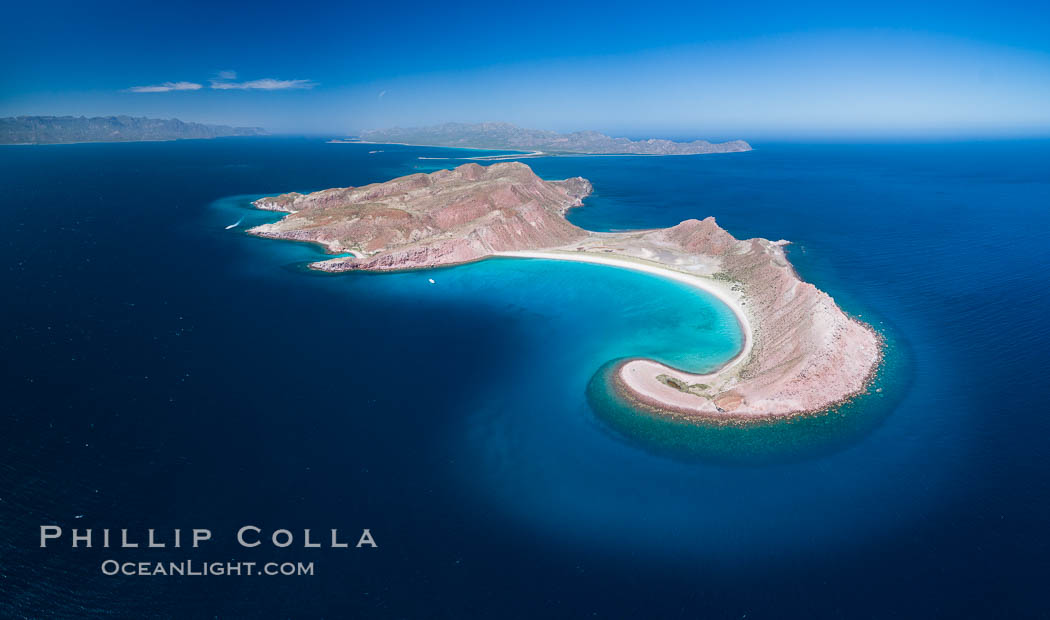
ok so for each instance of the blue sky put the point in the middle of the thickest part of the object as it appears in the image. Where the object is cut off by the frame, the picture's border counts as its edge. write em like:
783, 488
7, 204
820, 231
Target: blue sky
669, 69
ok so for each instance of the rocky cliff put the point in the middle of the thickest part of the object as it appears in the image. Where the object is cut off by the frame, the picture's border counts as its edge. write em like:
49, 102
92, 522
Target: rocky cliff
423, 220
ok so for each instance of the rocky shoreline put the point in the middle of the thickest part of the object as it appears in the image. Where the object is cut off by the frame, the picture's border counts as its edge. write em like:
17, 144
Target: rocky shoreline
802, 354
731, 418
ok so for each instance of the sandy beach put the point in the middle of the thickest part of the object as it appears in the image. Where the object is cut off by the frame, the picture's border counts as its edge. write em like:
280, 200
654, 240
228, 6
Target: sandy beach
640, 376
736, 392
713, 287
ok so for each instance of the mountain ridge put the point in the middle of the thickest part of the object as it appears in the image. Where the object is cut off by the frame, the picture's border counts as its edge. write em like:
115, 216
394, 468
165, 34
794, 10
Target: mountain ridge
72, 129
499, 135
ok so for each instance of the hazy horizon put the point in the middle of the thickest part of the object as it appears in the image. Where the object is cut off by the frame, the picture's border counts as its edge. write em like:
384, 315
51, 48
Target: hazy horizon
753, 135
813, 70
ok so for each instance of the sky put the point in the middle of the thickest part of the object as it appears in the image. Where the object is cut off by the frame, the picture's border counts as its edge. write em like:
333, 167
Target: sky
690, 69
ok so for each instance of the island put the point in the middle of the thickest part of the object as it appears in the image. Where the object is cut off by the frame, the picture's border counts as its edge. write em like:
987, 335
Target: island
801, 353
72, 129
505, 136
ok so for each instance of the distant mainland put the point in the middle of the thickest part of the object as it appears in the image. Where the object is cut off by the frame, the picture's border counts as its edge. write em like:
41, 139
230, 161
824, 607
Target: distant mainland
505, 136
70, 129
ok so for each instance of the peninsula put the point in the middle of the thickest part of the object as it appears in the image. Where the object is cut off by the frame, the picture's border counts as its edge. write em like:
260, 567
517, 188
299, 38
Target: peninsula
70, 129
802, 354
504, 136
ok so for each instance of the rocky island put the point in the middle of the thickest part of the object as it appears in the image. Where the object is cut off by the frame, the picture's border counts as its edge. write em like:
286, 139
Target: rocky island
510, 137
801, 354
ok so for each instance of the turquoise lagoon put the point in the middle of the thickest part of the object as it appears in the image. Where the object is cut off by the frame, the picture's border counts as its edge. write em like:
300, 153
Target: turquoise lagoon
594, 316
162, 371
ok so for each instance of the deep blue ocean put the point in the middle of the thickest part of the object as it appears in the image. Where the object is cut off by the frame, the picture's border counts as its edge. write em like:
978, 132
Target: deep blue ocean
161, 371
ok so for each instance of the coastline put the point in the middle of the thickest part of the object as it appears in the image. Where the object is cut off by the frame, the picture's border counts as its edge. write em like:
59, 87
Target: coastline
704, 284
661, 409
525, 154
800, 353
635, 391
112, 141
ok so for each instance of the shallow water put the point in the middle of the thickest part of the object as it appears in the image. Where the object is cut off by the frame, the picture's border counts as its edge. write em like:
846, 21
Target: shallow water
162, 371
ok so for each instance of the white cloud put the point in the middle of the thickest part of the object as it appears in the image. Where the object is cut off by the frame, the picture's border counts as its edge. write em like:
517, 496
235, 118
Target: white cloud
263, 84
165, 87
224, 80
